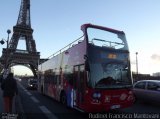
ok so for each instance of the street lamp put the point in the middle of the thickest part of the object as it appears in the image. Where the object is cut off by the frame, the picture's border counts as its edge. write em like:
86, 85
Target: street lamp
7, 41
2, 42
137, 63
8, 31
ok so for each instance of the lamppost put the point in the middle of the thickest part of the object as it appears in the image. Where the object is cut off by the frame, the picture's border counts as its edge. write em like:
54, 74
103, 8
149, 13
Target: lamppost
8, 32
2, 42
137, 64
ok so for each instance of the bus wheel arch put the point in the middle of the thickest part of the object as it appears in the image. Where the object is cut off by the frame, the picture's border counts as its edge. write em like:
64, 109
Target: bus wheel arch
63, 97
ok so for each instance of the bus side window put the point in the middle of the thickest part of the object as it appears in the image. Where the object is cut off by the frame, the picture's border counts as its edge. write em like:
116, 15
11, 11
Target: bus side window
55, 79
75, 78
52, 79
59, 79
70, 78
46, 78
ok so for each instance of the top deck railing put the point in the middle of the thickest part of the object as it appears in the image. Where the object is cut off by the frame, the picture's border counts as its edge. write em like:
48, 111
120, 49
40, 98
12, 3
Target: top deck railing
67, 47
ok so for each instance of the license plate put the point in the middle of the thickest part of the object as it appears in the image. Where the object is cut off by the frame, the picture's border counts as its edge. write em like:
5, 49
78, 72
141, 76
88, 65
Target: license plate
115, 106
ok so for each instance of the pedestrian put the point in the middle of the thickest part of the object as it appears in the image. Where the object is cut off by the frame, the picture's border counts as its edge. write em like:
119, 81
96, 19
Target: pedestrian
9, 87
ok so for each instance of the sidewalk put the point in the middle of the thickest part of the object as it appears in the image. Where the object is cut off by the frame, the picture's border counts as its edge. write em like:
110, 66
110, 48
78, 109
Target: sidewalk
1, 102
17, 106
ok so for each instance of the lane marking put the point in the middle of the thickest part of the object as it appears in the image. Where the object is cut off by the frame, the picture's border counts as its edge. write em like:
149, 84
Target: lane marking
34, 99
28, 93
25, 90
20, 85
48, 113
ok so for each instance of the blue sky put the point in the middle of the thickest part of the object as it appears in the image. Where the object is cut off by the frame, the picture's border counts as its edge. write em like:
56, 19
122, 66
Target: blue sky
56, 23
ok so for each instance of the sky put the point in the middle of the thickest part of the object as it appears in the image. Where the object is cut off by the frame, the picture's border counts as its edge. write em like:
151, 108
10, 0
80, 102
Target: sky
57, 23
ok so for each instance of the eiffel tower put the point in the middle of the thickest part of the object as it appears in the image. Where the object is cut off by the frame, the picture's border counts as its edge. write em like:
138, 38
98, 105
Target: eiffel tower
12, 56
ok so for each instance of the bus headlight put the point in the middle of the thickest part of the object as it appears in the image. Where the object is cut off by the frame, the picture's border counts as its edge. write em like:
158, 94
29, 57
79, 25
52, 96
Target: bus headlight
96, 98
123, 96
96, 95
130, 98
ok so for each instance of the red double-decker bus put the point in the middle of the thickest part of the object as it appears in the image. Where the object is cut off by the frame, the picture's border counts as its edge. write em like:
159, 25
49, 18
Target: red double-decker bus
92, 73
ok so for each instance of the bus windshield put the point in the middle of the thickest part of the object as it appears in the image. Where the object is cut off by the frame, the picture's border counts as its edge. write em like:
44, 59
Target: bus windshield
108, 59
104, 38
110, 75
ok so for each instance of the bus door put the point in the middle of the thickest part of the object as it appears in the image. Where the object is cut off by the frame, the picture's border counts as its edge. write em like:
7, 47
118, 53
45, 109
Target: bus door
78, 93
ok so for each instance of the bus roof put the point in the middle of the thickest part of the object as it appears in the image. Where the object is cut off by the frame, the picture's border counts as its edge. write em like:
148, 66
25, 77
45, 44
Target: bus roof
85, 26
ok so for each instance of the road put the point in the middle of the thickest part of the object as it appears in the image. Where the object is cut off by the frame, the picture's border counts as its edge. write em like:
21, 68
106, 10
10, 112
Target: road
36, 105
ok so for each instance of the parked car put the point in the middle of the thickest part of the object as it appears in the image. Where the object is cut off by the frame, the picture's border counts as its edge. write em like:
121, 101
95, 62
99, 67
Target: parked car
32, 84
147, 90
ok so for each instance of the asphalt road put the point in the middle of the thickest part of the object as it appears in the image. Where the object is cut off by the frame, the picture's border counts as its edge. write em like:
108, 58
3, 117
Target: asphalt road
39, 106
36, 105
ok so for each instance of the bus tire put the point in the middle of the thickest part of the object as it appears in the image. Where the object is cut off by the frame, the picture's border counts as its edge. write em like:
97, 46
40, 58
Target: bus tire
63, 98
